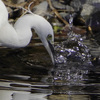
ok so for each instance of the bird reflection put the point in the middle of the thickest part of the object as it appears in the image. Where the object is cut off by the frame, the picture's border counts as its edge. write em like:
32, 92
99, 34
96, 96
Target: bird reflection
21, 95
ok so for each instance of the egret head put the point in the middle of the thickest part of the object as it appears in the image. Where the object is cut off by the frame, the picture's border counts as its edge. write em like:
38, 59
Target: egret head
45, 32
48, 42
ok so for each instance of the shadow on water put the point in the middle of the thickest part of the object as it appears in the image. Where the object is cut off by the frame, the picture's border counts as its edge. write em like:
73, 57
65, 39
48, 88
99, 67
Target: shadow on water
22, 78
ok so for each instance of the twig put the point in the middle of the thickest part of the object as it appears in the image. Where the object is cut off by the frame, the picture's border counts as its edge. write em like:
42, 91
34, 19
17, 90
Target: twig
56, 12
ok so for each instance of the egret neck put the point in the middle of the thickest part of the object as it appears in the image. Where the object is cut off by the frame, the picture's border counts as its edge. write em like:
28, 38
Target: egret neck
20, 34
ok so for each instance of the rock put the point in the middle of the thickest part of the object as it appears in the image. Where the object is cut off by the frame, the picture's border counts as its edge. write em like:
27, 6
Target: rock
95, 3
65, 15
92, 1
87, 10
41, 9
61, 6
90, 7
76, 4
18, 1
83, 1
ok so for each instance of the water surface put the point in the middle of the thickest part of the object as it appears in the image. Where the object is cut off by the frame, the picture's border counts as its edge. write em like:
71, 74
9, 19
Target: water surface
25, 78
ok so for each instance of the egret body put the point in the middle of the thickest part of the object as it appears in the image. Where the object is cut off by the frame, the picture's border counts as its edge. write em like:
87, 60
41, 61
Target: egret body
21, 34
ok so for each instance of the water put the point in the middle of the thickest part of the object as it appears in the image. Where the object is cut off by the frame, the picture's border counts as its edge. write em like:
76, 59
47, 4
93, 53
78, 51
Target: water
27, 73
74, 66
22, 79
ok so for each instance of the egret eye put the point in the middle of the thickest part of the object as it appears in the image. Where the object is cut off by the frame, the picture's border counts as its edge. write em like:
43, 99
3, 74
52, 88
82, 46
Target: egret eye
49, 37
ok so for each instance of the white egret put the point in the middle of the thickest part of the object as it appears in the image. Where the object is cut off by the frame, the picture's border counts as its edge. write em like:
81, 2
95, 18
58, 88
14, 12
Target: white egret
20, 35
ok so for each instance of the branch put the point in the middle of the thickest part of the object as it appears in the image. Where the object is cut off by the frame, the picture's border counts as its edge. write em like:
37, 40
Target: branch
56, 12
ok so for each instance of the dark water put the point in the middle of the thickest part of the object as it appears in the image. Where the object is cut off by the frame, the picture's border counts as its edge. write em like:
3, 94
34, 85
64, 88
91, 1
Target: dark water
22, 78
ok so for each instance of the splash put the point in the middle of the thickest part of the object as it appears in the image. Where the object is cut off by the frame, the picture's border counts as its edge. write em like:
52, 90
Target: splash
73, 49
72, 58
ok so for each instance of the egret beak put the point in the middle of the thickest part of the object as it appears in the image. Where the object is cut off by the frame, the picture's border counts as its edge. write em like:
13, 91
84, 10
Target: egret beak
51, 46
48, 44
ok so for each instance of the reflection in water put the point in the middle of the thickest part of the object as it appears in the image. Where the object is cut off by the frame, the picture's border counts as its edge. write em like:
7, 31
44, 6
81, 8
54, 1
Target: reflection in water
81, 87
69, 97
60, 84
5, 95
75, 77
20, 95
